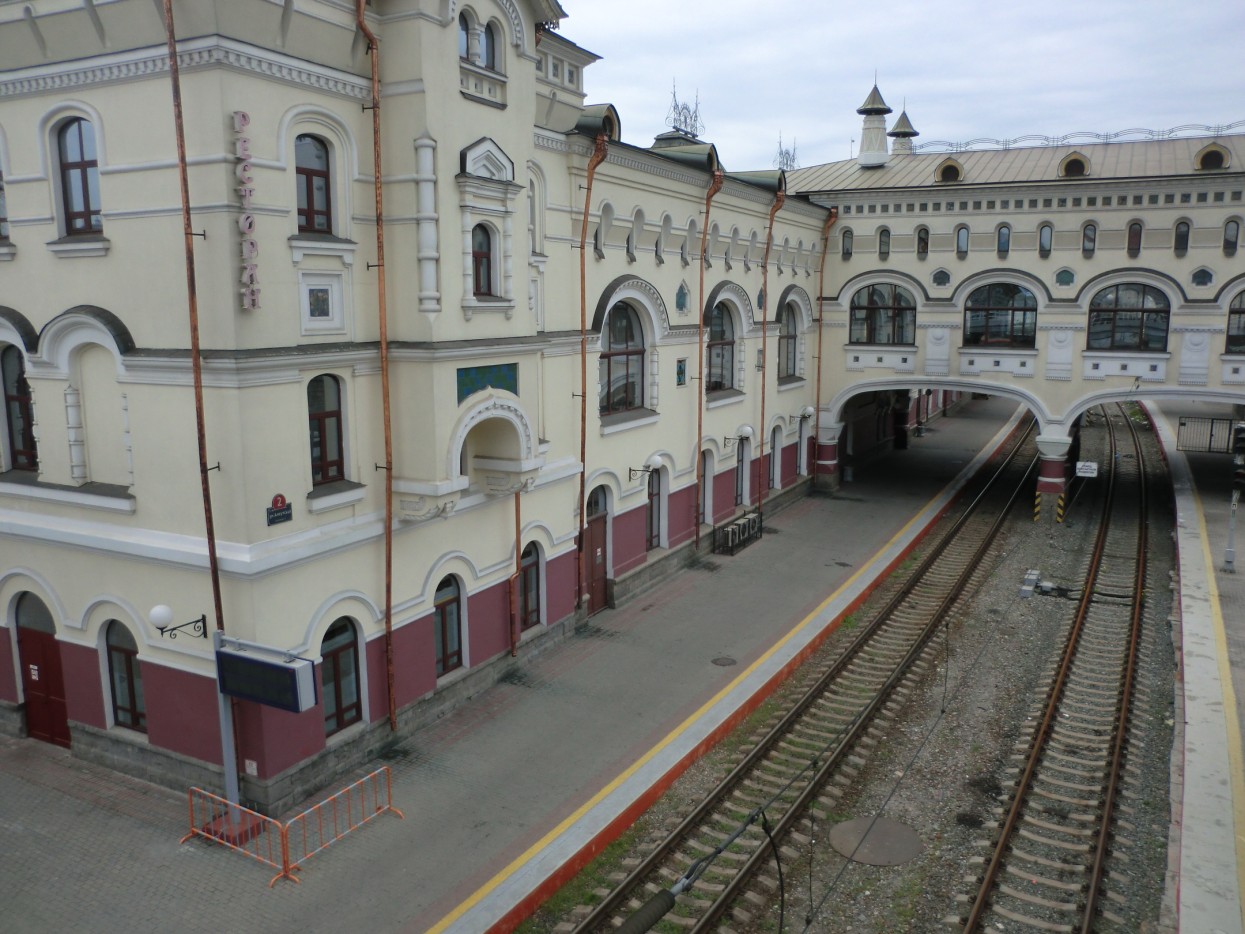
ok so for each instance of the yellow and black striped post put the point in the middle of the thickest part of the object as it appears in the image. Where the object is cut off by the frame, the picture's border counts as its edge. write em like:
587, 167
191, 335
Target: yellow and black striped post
1037, 506
1059, 509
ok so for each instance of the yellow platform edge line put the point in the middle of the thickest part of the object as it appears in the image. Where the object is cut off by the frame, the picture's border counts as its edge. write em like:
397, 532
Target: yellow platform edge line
483, 892
1236, 761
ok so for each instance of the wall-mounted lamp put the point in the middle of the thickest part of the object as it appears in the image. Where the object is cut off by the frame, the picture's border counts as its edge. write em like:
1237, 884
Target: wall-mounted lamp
806, 412
745, 433
161, 617
653, 463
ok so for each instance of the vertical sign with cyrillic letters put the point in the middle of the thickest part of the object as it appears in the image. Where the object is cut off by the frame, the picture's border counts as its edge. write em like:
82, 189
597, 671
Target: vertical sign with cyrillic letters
249, 246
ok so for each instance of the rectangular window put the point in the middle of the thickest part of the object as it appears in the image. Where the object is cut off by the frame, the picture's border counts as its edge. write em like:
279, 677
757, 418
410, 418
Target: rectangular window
321, 296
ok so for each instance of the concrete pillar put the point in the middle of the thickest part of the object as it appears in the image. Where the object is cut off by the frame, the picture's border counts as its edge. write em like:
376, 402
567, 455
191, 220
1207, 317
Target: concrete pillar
826, 466
1053, 468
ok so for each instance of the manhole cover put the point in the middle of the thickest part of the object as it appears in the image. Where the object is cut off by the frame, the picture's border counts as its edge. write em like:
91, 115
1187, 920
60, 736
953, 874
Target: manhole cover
724, 661
880, 842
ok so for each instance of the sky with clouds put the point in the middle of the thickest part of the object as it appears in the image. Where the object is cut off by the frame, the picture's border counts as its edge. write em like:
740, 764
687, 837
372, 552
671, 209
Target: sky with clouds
964, 69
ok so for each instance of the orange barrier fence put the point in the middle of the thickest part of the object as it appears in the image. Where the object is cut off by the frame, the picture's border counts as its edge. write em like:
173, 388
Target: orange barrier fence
327, 822
268, 840
241, 829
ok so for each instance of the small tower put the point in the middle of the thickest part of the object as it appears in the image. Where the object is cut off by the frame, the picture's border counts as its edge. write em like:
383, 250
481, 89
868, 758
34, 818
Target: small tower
873, 148
902, 133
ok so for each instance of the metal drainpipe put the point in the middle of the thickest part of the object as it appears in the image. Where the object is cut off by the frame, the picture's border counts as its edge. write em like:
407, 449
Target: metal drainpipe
821, 291
779, 198
599, 152
373, 49
515, 608
196, 363
715, 185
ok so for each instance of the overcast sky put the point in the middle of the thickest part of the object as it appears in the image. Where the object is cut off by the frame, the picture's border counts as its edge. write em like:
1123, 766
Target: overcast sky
967, 70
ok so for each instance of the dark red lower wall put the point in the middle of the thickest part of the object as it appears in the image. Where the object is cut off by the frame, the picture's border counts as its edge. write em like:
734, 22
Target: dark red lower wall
8, 678
488, 625
723, 496
182, 712
788, 464
630, 529
277, 739
682, 519
84, 697
561, 575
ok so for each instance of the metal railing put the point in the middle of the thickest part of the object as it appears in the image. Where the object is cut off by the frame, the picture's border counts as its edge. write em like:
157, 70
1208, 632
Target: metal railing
1205, 435
269, 841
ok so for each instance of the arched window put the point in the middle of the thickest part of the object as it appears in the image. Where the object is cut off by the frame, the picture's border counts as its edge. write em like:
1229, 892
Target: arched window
1211, 159
339, 677
884, 243
79, 171
652, 536
788, 341
482, 260
1131, 316
598, 502
883, 314
1089, 240
622, 361
1231, 236
464, 37
125, 678
1003, 240
311, 168
19, 419
1074, 168
949, 173
1236, 325
721, 349
704, 507
447, 625
847, 240
324, 413
1046, 235
529, 587
1001, 314
488, 47
1134, 239
961, 242
775, 458
922, 242
1181, 242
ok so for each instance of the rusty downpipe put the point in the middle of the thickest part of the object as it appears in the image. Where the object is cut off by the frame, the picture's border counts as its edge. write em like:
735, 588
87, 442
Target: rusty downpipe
779, 198
599, 152
821, 292
715, 185
192, 304
373, 49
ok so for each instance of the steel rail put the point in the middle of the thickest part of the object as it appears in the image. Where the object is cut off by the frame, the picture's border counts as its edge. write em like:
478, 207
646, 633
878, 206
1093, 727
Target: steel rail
603, 910
990, 877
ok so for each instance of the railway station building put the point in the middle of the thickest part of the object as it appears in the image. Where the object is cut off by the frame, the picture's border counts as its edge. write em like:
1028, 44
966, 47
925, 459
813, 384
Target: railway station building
563, 365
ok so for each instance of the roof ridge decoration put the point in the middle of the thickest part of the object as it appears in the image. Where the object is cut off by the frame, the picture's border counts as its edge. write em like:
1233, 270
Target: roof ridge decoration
684, 117
1184, 130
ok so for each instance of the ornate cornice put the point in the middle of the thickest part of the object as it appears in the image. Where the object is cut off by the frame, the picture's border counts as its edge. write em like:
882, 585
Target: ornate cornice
209, 52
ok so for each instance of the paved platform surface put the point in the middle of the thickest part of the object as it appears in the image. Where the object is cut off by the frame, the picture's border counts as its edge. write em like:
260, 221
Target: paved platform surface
498, 792
1208, 799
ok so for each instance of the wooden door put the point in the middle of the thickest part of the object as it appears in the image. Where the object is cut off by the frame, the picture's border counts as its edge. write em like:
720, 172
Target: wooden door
43, 682
594, 561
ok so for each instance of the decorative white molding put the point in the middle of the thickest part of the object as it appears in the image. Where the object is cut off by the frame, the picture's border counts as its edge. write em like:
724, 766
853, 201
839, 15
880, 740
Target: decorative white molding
206, 52
319, 504
75, 247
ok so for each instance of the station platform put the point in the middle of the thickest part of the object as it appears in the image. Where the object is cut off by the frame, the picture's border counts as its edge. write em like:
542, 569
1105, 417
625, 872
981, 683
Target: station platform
503, 794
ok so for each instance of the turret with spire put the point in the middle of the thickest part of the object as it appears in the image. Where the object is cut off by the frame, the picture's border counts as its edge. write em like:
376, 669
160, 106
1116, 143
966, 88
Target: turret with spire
873, 148
902, 133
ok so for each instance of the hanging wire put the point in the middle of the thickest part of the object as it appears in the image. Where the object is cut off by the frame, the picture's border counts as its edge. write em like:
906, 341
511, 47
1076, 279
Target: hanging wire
782, 888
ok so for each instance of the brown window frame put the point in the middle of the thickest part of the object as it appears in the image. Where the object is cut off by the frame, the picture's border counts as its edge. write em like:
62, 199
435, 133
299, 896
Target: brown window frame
788, 341
529, 587
130, 711
326, 466
720, 350
345, 711
306, 175
1235, 342
1135, 231
81, 177
19, 418
1013, 305
482, 262
873, 315
622, 356
448, 594
1106, 313
652, 515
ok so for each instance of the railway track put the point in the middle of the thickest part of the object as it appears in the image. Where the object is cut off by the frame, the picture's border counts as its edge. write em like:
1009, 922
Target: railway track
1053, 849
702, 871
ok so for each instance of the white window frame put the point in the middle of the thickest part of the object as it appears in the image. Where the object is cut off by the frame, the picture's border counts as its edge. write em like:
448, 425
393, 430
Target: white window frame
334, 282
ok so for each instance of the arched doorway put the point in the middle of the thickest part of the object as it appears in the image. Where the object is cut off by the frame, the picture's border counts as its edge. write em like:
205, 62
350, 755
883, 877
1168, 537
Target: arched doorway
43, 680
596, 536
